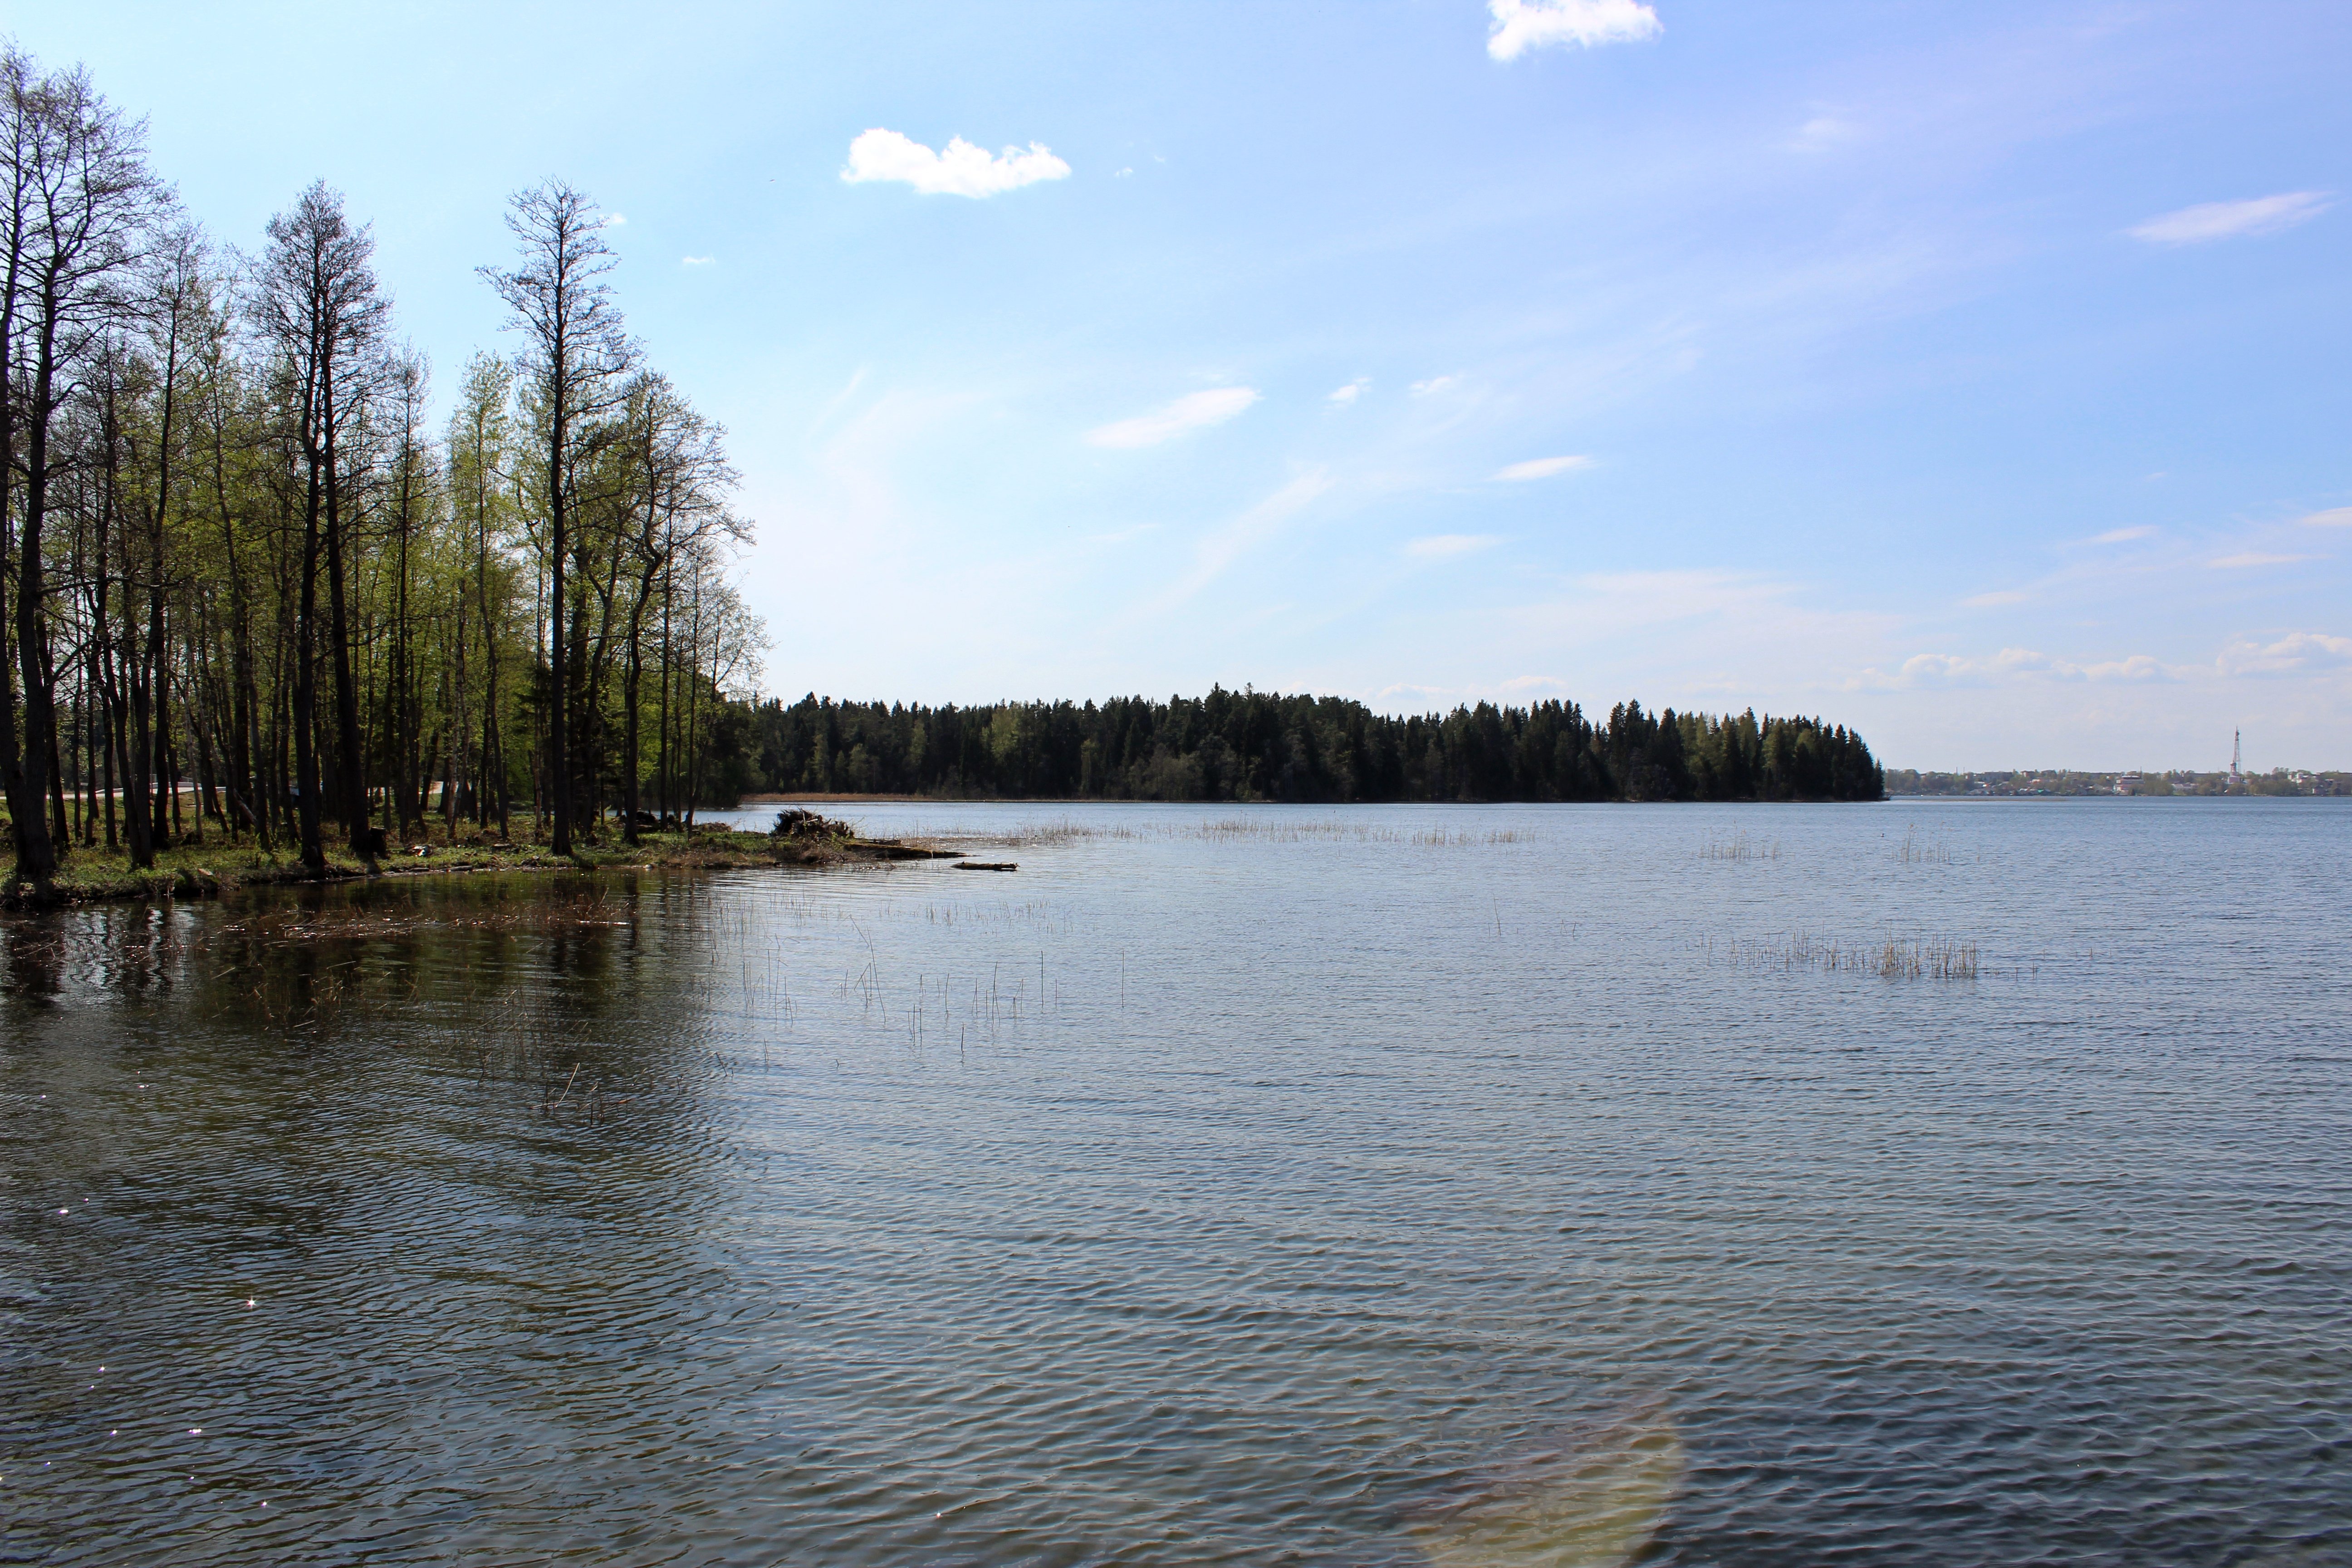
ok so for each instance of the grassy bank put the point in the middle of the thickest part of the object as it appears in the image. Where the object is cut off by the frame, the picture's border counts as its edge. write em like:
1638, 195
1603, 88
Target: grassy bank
207, 869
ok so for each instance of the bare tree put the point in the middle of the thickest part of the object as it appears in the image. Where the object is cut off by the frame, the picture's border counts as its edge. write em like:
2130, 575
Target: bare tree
210, 495
678, 479
411, 502
173, 300
479, 432
77, 205
575, 356
314, 297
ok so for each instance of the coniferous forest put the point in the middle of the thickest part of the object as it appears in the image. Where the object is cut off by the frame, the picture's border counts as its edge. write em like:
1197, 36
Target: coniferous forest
1255, 746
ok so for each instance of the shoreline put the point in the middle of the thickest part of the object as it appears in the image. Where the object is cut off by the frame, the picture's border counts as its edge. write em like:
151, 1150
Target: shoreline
210, 870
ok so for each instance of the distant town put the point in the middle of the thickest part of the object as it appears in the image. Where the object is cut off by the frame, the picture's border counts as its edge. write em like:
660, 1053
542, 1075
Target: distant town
2063, 781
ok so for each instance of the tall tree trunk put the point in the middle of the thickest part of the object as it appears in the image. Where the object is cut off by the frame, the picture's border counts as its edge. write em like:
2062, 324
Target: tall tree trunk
152, 685
37, 852
306, 690
353, 780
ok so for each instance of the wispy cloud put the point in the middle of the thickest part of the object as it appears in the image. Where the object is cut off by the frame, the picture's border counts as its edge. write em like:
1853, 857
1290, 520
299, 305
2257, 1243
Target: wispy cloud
2126, 535
1194, 411
696, 260
1435, 385
1518, 26
1732, 609
1541, 468
2256, 558
1349, 393
1229, 541
1438, 546
613, 220
1991, 601
2333, 517
2226, 220
961, 170
1824, 131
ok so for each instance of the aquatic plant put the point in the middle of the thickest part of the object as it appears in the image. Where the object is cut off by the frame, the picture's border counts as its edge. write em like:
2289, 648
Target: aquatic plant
1917, 850
1889, 958
1739, 847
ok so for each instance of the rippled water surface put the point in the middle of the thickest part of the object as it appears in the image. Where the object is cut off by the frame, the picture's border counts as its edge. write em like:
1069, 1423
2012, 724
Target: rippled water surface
1466, 1186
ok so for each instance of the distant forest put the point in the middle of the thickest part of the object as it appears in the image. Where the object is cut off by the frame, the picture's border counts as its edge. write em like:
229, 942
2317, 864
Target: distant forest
1258, 746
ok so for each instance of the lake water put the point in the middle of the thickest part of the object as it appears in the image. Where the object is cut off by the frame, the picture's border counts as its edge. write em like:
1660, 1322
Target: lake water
1466, 1186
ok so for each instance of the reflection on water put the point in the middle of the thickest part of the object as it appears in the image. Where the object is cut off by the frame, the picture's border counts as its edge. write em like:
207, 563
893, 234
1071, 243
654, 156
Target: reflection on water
1378, 1187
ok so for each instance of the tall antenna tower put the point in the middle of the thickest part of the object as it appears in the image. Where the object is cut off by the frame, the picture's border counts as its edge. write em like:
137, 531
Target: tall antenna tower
2236, 737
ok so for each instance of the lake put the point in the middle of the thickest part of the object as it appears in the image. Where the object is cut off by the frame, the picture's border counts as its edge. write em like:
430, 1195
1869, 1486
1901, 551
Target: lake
1932, 1182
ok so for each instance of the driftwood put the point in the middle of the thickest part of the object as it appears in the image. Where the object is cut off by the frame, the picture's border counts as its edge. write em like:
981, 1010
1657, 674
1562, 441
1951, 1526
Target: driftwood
891, 849
986, 866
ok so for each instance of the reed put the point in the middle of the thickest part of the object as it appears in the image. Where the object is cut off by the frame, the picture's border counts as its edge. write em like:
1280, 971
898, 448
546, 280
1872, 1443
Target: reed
1918, 850
1267, 829
1888, 958
1289, 830
1739, 847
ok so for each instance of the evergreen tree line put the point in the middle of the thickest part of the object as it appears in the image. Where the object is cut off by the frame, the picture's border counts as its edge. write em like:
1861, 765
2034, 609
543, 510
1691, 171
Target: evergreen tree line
249, 590
1257, 746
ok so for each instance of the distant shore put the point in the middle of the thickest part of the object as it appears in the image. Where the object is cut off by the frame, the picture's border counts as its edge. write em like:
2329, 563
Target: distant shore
1906, 783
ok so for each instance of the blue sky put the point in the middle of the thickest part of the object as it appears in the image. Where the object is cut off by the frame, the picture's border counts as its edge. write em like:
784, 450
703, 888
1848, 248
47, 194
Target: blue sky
1976, 375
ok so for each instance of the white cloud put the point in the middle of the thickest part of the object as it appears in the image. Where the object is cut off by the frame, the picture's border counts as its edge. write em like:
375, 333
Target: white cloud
613, 220
2293, 654
2139, 667
1519, 25
1541, 468
1438, 546
1435, 384
2126, 535
696, 260
2257, 558
1987, 601
2013, 664
2226, 220
2333, 517
962, 170
1194, 411
1349, 393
